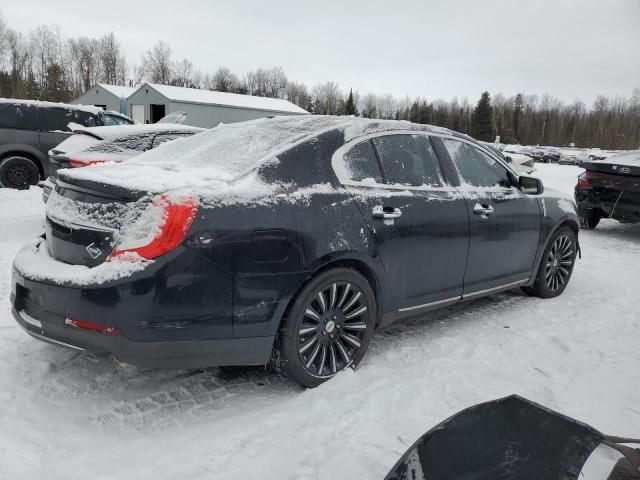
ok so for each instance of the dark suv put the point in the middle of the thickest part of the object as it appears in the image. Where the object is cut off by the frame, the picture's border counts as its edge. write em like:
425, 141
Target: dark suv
290, 239
29, 129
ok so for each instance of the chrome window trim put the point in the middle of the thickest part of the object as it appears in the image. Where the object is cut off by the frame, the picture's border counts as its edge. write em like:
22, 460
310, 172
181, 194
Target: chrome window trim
337, 164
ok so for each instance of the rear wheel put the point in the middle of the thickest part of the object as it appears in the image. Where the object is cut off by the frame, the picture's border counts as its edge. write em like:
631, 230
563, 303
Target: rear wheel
590, 218
329, 327
556, 266
18, 172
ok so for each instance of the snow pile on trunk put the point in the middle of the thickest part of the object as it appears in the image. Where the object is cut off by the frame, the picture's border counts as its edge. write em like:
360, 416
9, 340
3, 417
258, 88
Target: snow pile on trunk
35, 262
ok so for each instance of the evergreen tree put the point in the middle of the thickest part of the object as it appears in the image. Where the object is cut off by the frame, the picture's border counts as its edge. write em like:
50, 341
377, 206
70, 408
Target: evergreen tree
350, 106
517, 112
482, 120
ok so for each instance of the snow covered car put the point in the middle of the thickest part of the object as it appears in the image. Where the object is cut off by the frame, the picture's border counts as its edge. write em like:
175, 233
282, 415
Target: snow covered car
522, 164
573, 157
284, 240
92, 145
29, 128
609, 188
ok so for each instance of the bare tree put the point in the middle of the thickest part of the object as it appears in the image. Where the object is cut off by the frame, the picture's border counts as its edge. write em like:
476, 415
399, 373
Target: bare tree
157, 63
182, 73
327, 98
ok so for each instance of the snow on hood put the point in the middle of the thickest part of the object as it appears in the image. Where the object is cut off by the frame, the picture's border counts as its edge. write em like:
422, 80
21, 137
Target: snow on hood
207, 163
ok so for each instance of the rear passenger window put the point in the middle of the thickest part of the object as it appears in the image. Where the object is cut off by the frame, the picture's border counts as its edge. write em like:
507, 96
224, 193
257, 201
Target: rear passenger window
58, 119
476, 167
18, 115
362, 164
408, 160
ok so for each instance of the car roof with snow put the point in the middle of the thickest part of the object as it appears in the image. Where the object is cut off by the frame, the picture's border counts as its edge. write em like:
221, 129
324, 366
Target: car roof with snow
39, 103
228, 152
118, 131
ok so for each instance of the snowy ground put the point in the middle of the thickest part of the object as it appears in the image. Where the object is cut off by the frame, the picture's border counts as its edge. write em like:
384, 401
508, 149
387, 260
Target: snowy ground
66, 416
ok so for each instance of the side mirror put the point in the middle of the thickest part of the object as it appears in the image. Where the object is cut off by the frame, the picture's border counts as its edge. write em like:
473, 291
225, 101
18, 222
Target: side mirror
530, 185
508, 159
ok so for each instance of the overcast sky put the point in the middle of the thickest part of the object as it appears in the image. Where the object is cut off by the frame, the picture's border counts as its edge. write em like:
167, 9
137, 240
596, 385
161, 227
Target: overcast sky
436, 49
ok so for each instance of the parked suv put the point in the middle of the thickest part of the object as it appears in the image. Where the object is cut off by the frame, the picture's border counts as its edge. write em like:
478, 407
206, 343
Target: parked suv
29, 129
287, 239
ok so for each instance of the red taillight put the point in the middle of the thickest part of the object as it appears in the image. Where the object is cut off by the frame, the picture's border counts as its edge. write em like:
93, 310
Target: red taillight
94, 327
583, 181
175, 219
75, 163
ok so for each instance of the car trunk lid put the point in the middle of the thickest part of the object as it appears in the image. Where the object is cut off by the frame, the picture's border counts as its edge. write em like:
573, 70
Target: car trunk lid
83, 220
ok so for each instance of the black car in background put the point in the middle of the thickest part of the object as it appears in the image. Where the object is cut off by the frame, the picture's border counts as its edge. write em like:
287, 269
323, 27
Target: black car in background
95, 145
609, 188
284, 240
29, 129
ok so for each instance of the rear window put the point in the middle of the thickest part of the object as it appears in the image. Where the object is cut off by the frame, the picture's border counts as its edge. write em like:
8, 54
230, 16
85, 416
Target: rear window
58, 119
137, 143
115, 120
18, 115
76, 143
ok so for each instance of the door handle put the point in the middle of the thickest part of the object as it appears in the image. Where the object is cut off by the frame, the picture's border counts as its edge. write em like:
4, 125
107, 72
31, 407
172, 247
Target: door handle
386, 213
482, 210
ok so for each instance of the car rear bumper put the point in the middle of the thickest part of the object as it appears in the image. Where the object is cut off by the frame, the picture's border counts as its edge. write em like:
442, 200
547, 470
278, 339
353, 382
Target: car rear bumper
177, 354
173, 314
623, 206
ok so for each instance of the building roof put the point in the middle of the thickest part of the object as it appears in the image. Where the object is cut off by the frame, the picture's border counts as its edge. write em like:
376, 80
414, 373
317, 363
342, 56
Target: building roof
210, 97
118, 90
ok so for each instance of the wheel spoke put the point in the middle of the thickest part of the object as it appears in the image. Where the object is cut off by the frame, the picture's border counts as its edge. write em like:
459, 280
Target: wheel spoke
308, 344
353, 300
347, 289
332, 358
323, 359
310, 312
355, 326
343, 351
321, 301
313, 355
351, 339
308, 329
355, 313
334, 294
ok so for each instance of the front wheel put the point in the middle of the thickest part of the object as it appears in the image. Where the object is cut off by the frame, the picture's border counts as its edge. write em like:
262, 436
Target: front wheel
329, 327
18, 172
556, 265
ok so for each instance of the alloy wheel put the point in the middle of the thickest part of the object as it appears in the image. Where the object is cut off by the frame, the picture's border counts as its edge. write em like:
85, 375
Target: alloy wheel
559, 263
332, 329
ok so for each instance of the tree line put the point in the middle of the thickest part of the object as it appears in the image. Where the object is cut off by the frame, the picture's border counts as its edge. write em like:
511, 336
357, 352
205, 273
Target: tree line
45, 65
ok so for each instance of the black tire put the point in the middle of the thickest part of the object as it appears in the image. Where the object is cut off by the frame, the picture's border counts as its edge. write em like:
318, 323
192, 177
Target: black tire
18, 172
328, 328
556, 265
590, 218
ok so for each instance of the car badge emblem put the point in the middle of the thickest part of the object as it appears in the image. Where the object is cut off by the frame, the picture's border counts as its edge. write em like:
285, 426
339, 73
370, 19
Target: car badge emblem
93, 251
625, 170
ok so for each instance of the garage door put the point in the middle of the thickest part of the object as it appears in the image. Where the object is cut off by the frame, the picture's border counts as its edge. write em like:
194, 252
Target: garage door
137, 113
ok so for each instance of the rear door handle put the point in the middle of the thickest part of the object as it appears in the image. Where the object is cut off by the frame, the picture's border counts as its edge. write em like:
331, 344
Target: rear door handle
482, 210
386, 213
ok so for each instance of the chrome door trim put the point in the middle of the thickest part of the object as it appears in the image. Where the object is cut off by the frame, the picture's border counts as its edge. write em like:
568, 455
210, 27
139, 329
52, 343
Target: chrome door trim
430, 304
494, 289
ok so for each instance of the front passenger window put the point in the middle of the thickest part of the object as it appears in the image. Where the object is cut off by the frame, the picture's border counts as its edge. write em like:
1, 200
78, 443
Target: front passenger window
476, 167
